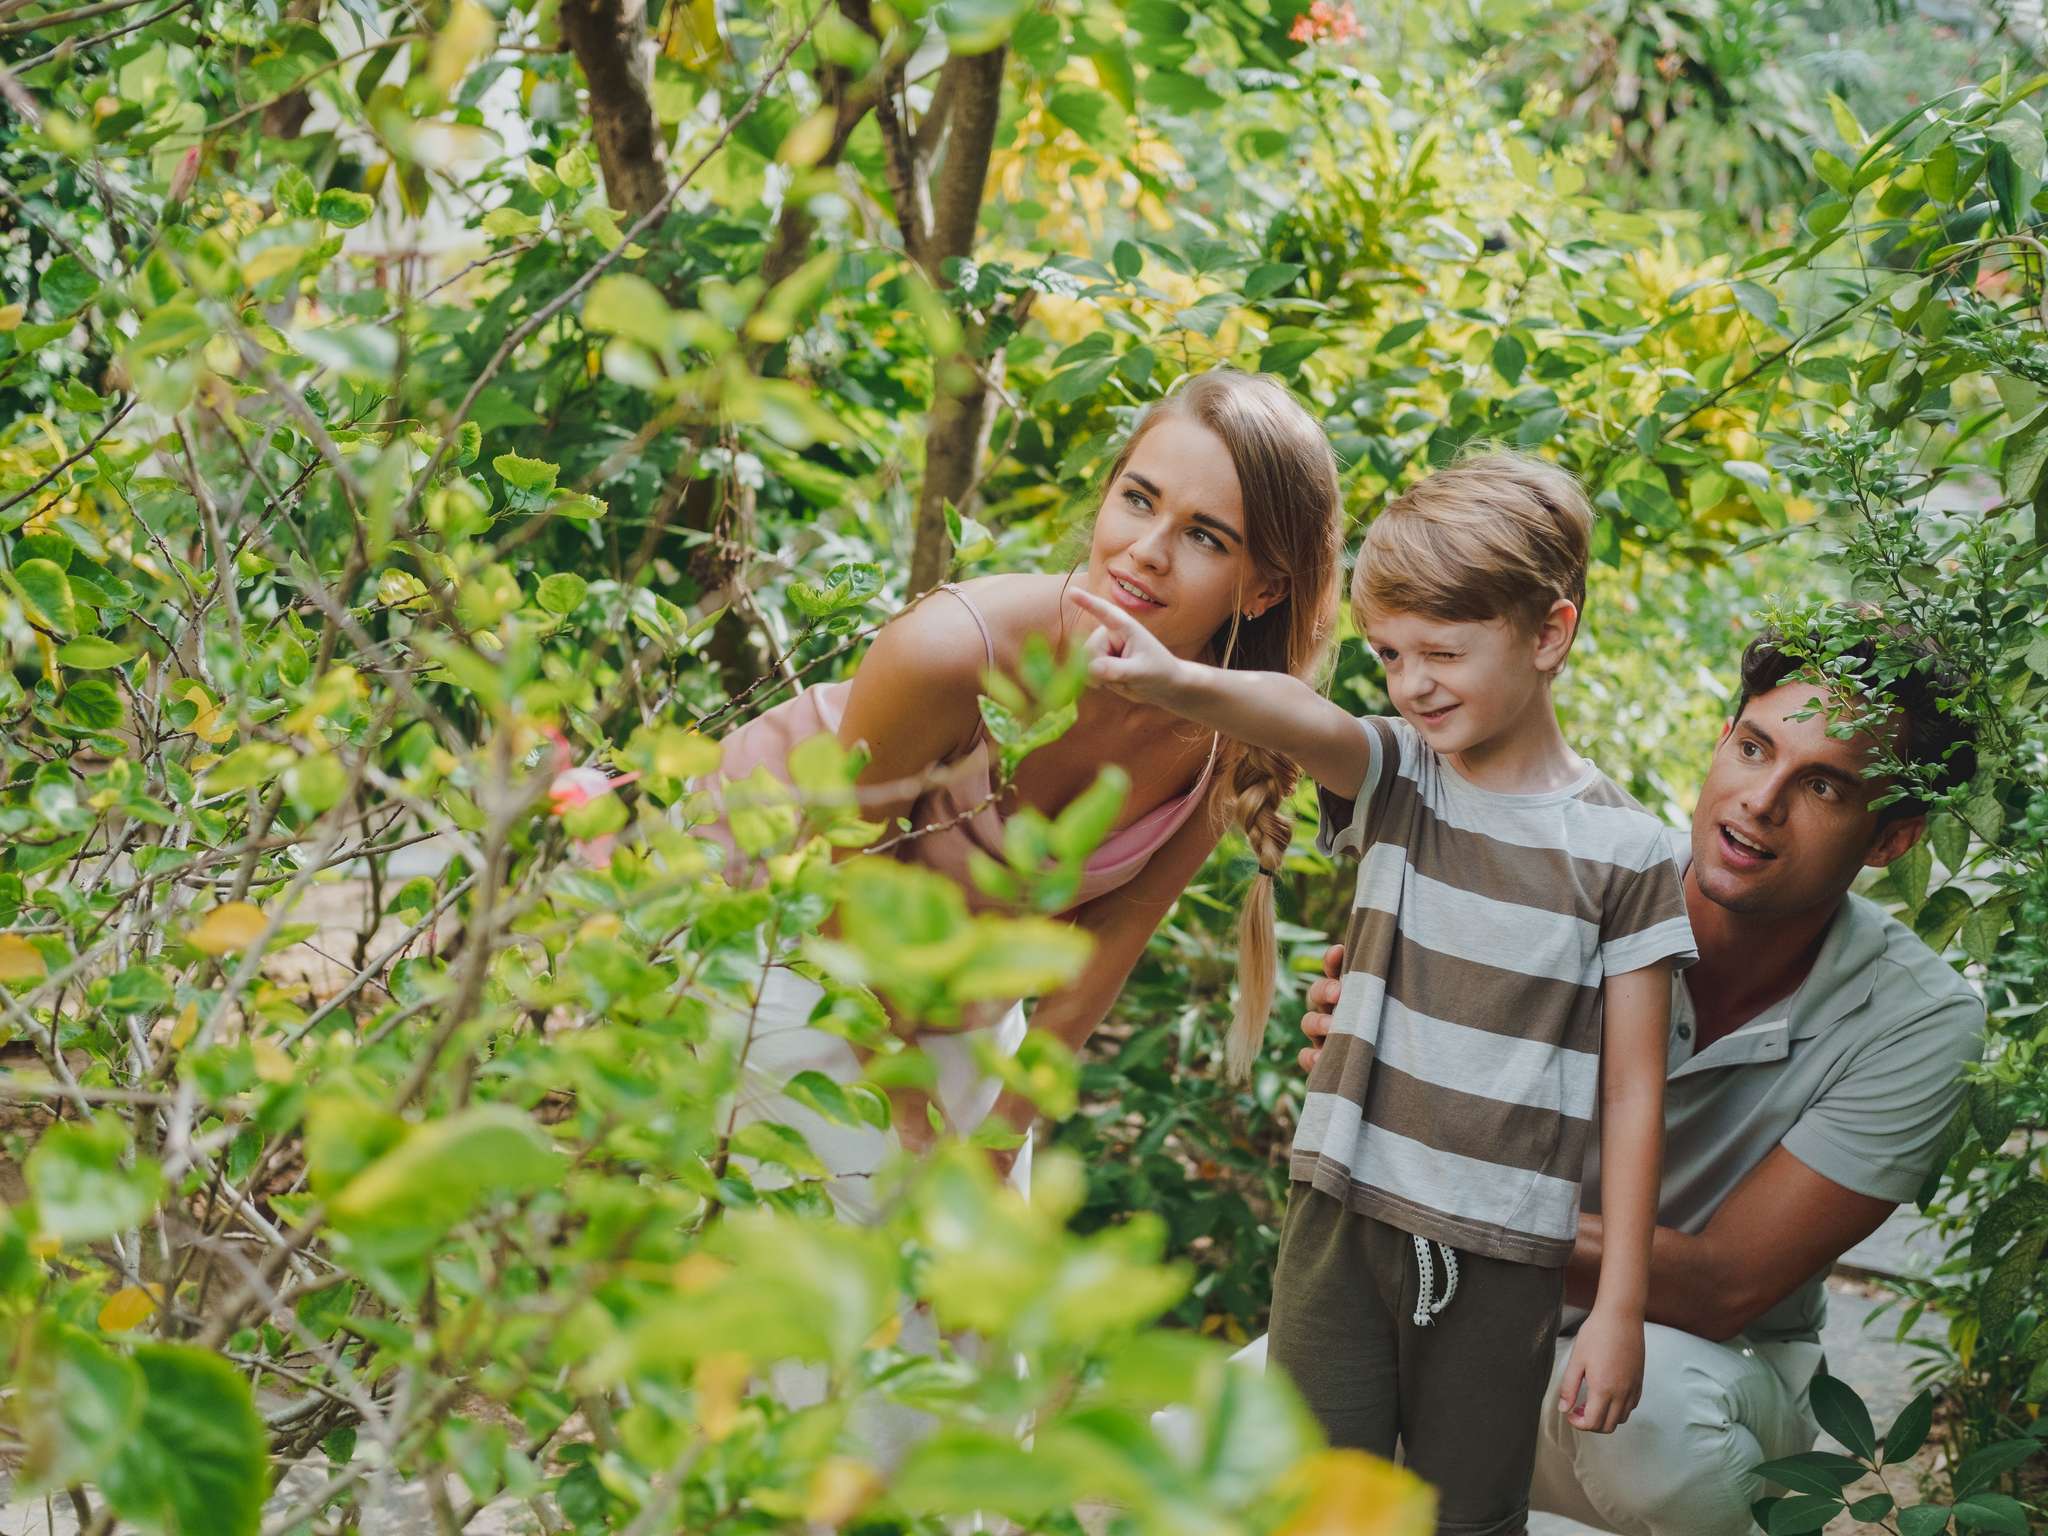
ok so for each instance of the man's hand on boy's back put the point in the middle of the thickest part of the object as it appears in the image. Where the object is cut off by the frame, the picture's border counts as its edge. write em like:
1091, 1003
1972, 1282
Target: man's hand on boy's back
1322, 1003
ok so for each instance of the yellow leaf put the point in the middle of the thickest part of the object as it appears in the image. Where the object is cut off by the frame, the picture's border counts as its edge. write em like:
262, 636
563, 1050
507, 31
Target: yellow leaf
272, 1065
467, 36
125, 1308
721, 1378
1348, 1493
186, 1027
228, 927
809, 139
841, 1489
10, 316
20, 960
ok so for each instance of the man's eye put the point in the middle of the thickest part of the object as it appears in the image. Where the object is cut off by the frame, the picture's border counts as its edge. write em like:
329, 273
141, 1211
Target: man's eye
1748, 749
1824, 789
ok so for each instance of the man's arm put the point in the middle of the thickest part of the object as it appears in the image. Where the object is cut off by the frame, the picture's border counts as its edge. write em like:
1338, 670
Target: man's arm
1778, 1228
1749, 1257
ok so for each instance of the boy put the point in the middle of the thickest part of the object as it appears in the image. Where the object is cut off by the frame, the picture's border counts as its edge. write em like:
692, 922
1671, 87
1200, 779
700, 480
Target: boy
1512, 905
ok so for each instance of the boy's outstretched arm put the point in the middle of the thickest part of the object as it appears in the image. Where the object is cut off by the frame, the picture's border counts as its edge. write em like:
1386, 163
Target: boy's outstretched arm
1607, 1356
1270, 710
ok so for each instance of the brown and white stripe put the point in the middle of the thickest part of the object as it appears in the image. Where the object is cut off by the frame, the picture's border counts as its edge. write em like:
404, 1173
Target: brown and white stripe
1456, 1094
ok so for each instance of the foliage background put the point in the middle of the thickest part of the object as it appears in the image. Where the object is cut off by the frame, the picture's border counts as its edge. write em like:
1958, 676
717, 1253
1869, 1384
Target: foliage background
398, 404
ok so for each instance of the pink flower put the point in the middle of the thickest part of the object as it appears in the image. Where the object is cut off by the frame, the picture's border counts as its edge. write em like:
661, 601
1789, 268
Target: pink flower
579, 786
574, 787
1323, 22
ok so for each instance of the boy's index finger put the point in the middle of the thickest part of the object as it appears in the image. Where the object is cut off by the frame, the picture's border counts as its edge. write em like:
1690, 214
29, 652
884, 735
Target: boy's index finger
1108, 613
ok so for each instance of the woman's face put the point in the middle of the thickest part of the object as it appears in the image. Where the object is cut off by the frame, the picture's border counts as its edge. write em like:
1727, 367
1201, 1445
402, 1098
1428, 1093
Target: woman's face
1169, 542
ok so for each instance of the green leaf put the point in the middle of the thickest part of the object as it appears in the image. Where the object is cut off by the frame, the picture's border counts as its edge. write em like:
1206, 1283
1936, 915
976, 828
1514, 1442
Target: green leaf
84, 1184
975, 26
1941, 915
1814, 1472
67, 285
1909, 1430
365, 352
91, 653
1288, 348
1176, 90
93, 704
562, 593
1992, 1512
1269, 277
1871, 1509
1127, 260
436, 1175
199, 1459
1841, 1413
2010, 1283
1923, 1520
83, 1402
525, 474
172, 329
624, 305
47, 591
1980, 1469
1909, 874
1803, 1513
138, 989
1080, 828
343, 208
1088, 112
2023, 453
1510, 357
509, 223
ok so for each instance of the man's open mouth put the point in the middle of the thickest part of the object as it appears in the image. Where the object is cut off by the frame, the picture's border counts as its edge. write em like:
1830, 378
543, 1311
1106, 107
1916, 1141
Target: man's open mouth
1744, 847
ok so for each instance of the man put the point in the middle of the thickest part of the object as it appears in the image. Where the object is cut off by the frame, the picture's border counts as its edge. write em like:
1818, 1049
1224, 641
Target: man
1817, 1052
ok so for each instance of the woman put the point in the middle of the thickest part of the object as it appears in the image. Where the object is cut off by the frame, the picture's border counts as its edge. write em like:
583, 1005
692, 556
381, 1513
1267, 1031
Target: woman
1220, 530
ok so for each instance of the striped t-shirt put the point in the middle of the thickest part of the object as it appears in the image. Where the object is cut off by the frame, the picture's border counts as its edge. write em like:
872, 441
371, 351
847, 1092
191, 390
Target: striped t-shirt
1456, 1094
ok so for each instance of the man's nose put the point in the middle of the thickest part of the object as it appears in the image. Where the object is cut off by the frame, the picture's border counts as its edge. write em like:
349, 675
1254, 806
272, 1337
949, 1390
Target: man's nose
1766, 798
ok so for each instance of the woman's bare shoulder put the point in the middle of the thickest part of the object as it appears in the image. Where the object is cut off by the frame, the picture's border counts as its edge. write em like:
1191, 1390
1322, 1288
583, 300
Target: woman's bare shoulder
1016, 605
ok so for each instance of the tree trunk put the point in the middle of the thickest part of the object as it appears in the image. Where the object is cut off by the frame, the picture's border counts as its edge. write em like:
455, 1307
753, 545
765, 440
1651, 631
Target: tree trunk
611, 42
284, 117
961, 399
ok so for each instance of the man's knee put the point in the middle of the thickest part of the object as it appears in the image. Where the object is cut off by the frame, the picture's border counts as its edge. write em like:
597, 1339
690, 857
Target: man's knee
1681, 1465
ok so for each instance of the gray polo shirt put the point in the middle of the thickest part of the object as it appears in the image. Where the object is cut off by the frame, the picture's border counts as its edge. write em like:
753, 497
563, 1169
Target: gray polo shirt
1855, 1075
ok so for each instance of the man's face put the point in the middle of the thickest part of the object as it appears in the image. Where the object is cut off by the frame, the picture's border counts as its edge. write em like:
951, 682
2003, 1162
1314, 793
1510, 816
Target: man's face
1784, 820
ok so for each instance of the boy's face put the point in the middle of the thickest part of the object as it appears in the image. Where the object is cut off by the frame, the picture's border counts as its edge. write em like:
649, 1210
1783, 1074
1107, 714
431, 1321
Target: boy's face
1784, 822
1463, 683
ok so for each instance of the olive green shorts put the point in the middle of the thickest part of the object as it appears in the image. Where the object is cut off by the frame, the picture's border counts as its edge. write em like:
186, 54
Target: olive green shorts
1461, 1395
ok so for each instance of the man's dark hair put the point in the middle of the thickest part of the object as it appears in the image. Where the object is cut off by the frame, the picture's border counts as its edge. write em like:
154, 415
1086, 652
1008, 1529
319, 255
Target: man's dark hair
1939, 742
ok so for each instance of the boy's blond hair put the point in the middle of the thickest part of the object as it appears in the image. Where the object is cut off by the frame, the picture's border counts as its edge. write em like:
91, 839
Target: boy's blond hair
1497, 535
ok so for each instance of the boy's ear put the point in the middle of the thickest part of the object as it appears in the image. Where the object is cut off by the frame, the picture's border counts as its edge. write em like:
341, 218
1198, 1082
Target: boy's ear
1555, 633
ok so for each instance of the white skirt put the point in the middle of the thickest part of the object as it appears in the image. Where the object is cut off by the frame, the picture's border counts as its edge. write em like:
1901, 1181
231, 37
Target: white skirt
782, 1043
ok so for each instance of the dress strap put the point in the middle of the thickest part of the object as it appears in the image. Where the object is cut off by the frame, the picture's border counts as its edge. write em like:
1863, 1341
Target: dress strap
988, 643
988, 646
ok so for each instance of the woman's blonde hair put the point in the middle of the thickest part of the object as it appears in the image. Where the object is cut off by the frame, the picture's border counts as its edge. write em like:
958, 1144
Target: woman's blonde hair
1293, 517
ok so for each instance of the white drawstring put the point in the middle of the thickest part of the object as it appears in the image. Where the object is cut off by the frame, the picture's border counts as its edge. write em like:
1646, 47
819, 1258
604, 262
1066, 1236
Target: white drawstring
1426, 1309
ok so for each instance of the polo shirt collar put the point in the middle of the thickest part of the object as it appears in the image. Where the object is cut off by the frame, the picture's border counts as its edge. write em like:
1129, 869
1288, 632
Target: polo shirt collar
1843, 975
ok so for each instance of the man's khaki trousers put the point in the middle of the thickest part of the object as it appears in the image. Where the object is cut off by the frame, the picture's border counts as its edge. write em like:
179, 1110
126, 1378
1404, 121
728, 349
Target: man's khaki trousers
1681, 1465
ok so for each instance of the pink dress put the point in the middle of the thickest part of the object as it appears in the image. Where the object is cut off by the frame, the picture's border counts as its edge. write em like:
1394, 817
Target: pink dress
782, 1043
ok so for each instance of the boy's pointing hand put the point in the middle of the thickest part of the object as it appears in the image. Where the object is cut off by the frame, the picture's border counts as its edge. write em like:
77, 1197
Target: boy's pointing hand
1125, 657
